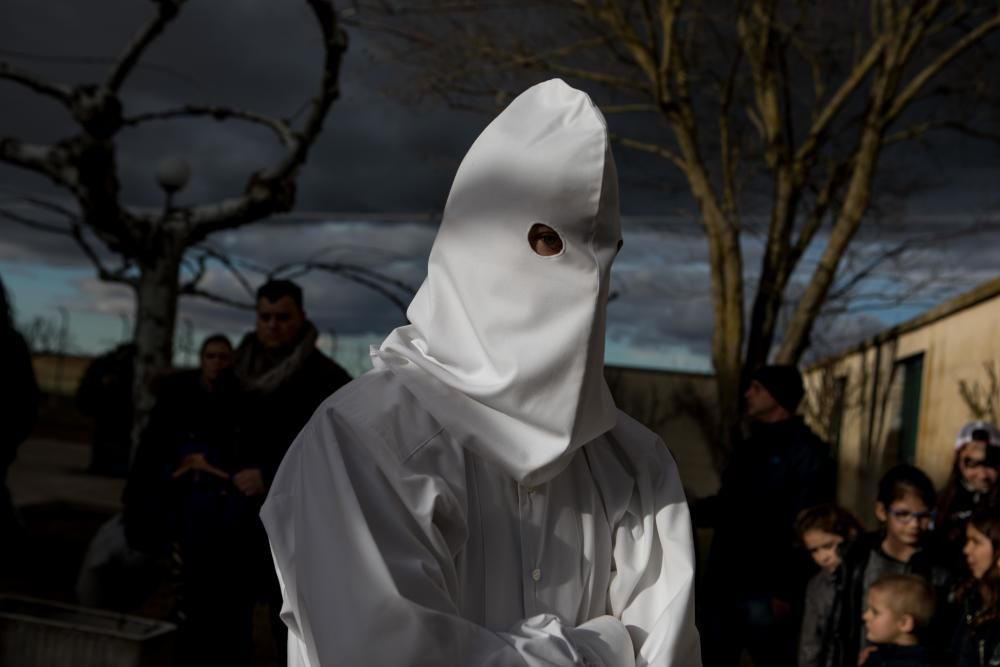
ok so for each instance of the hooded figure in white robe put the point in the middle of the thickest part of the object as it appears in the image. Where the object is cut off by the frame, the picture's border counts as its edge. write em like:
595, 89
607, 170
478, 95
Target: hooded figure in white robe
477, 499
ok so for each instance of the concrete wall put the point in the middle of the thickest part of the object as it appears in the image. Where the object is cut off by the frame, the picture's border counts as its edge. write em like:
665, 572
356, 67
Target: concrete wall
955, 341
680, 408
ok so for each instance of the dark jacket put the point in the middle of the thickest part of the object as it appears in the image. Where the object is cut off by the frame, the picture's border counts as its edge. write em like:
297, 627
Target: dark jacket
849, 632
18, 395
975, 645
821, 609
187, 418
781, 469
890, 655
280, 390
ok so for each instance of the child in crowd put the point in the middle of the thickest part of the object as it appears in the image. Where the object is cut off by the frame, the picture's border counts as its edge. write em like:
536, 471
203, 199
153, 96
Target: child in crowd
899, 610
903, 508
977, 641
971, 485
822, 530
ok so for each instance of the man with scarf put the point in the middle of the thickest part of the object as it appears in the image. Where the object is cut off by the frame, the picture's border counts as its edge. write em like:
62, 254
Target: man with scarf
477, 498
281, 377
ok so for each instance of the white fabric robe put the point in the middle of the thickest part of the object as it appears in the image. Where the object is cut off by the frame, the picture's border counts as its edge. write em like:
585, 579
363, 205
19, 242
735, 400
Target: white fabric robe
396, 546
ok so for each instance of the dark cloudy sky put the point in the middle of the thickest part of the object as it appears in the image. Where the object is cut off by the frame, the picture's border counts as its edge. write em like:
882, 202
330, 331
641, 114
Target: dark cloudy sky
383, 160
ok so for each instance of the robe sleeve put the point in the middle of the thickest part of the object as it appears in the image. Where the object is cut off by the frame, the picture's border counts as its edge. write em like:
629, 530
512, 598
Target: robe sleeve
652, 591
368, 578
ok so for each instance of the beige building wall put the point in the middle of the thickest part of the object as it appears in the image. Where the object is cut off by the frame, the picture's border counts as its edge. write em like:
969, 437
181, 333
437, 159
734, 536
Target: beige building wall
956, 340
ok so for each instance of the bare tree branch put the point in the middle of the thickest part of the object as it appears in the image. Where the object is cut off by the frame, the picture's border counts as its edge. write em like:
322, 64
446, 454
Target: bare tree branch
93, 60
200, 267
913, 88
918, 130
57, 91
39, 159
824, 200
75, 230
371, 278
46, 204
229, 265
272, 189
653, 149
864, 272
839, 99
348, 267
166, 11
278, 126
608, 109
46, 227
192, 290
118, 275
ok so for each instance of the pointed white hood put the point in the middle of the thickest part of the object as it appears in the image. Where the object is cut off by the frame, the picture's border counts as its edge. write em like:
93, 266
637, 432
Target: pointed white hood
506, 347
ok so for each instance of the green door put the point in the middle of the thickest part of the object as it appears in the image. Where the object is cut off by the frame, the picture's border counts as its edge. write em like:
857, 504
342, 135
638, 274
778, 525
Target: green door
913, 374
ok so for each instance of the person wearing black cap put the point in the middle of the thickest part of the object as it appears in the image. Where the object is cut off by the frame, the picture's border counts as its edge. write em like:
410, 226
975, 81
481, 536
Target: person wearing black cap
755, 574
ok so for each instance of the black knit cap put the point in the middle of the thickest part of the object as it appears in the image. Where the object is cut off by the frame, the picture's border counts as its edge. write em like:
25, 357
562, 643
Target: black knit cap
784, 383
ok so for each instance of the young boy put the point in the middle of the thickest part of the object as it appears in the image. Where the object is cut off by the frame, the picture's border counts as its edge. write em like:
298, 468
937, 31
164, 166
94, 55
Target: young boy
900, 607
903, 508
823, 530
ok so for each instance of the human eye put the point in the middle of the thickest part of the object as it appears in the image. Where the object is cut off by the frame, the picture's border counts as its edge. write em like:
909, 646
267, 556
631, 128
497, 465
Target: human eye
544, 240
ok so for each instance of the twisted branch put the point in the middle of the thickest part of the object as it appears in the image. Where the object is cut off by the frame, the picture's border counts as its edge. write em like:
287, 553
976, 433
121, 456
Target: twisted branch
276, 125
167, 10
58, 91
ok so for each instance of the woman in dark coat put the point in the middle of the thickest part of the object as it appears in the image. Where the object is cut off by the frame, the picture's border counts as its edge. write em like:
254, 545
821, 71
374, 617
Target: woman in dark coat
977, 638
180, 499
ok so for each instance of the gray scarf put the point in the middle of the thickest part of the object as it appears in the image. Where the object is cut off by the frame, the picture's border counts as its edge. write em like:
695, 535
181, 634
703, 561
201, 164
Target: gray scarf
262, 371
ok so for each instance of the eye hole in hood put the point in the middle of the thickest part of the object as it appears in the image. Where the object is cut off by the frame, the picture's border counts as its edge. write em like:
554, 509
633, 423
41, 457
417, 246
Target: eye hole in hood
544, 241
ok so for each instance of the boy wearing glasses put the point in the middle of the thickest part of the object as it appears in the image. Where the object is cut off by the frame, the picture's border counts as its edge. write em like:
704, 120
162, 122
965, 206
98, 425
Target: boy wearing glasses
904, 509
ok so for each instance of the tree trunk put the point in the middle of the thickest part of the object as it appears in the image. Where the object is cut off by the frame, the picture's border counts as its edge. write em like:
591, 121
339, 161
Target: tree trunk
155, 316
856, 203
775, 271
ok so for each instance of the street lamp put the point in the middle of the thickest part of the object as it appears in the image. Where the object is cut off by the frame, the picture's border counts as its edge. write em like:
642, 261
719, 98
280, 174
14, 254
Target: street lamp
172, 173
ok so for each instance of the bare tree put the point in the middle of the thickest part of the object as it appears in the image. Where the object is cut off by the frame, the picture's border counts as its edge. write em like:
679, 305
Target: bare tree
796, 101
152, 245
983, 397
